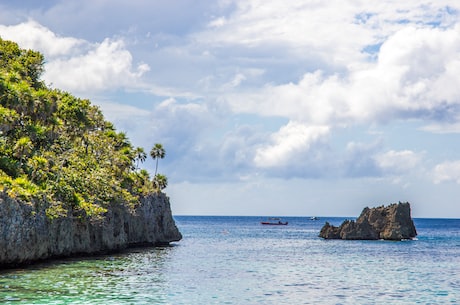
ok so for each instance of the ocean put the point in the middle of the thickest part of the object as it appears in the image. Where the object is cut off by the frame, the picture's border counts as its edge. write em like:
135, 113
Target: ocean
236, 260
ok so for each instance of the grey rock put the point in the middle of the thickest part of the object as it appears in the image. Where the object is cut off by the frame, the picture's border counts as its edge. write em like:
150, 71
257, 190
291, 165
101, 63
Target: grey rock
393, 222
28, 235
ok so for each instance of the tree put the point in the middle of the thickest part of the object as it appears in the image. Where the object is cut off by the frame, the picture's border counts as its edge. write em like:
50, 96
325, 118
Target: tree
141, 156
38, 167
23, 149
58, 150
157, 152
160, 182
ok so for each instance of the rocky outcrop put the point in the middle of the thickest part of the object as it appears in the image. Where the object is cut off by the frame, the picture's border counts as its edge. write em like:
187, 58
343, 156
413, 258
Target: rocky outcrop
27, 234
393, 222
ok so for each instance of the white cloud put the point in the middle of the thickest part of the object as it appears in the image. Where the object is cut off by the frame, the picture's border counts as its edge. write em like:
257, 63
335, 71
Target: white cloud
32, 35
300, 27
447, 172
107, 65
415, 77
180, 124
336, 31
399, 162
227, 76
397, 86
77, 65
289, 145
410, 74
354, 63
409, 78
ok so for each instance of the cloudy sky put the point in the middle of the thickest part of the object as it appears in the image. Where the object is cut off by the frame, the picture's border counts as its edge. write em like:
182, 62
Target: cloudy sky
298, 108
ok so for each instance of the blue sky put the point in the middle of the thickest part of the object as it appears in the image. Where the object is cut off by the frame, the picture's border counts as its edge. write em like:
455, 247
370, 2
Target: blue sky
269, 107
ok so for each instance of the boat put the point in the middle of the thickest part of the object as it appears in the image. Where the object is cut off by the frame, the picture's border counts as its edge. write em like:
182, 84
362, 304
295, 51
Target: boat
314, 218
274, 222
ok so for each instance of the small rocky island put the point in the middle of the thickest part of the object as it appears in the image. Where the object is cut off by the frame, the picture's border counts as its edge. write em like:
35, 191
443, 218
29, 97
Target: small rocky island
392, 222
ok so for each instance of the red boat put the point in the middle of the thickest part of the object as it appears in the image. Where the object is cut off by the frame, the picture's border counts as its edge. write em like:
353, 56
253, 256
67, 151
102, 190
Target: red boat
274, 222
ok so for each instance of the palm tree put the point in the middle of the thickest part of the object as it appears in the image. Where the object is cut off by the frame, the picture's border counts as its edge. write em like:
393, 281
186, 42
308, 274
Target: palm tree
141, 156
160, 182
157, 152
23, 149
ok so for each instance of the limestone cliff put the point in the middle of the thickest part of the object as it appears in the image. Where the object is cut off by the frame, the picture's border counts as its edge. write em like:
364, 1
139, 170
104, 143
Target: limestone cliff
27, 234
393, 222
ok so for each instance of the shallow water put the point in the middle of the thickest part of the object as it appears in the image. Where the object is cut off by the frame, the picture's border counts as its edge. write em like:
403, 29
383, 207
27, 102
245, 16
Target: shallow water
235, 260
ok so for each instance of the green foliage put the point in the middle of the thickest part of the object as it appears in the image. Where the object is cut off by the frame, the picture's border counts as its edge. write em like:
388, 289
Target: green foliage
59, 147
21, 188
160, 182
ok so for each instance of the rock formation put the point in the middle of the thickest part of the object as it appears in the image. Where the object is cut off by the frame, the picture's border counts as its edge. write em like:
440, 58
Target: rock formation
28, 235
393, 222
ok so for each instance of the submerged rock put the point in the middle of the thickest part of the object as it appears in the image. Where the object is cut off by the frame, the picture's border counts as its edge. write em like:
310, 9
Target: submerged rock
28, 235
393, 222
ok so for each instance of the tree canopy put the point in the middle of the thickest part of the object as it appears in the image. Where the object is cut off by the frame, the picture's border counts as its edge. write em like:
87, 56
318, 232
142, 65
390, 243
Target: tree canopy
58, 150
157, 152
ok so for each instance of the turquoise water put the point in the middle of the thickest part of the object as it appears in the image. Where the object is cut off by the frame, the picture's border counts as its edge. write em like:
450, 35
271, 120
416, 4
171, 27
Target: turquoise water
235, 260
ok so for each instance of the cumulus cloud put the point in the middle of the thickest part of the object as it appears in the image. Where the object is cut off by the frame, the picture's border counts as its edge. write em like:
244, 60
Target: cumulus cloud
413, 78
180, 123
32, 35
388, 62
447, 172
320, 66
228, 75
77, 65
107, 65
339, 33
257, 24
239, 146
290, 145
398, 162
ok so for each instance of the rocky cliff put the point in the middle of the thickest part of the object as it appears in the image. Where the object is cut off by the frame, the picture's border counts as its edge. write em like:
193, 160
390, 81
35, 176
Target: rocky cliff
27, 234
393, 222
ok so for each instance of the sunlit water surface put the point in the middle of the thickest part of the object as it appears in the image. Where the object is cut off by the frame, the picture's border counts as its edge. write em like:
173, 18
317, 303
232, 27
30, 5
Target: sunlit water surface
235, 260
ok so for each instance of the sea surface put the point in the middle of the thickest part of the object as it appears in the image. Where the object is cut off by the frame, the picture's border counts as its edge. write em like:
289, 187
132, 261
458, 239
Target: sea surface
236, 260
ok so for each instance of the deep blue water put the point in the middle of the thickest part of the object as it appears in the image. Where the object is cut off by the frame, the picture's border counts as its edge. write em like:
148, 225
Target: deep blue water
235, 260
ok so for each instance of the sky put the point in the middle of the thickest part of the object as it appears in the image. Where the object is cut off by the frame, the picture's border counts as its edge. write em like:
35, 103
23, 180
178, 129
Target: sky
281, 108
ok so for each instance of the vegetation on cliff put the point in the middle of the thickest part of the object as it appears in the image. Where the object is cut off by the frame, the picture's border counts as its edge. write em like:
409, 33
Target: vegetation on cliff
58, 150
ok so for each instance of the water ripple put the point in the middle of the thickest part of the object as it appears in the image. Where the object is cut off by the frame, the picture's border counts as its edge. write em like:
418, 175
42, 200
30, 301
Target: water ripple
251, 264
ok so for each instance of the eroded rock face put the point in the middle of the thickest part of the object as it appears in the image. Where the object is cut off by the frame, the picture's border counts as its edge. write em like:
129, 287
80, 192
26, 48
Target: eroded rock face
27, 235
393, 222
